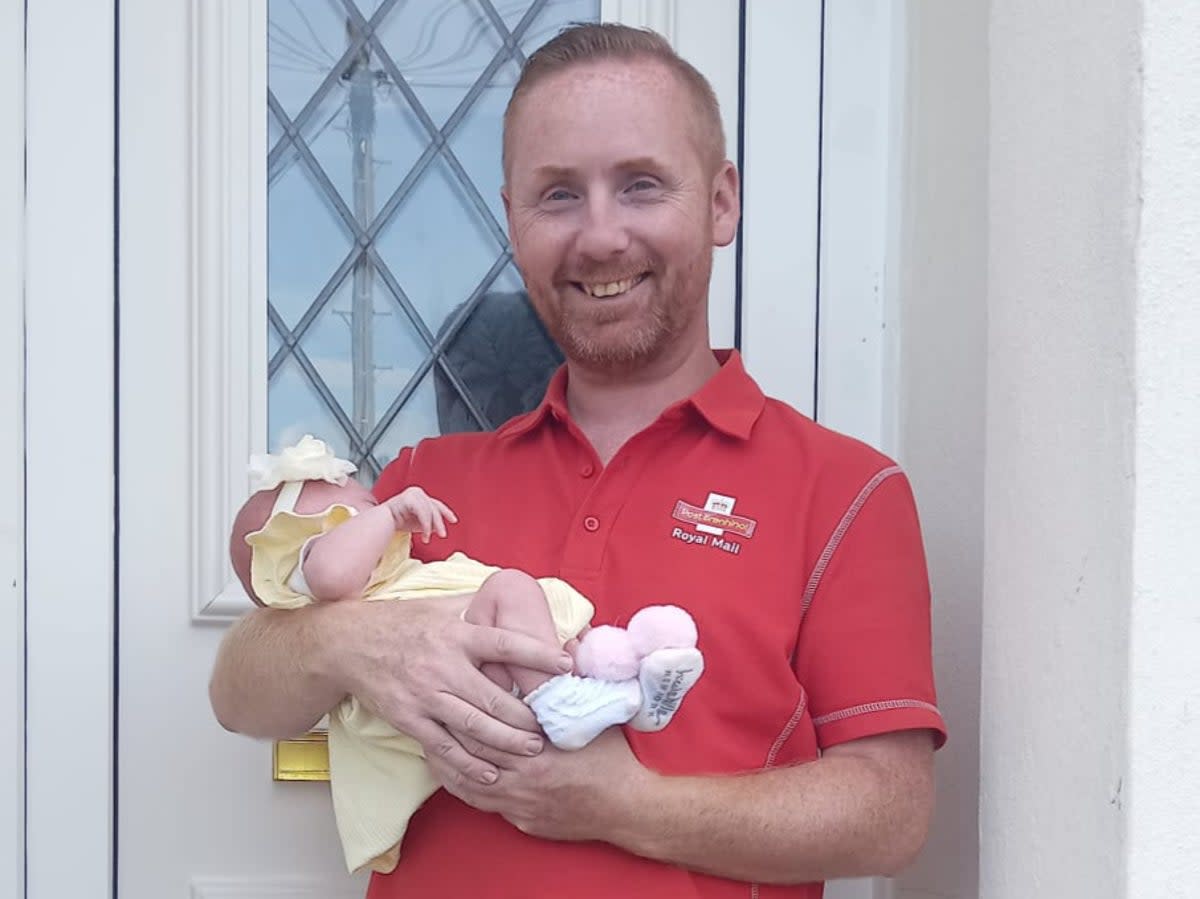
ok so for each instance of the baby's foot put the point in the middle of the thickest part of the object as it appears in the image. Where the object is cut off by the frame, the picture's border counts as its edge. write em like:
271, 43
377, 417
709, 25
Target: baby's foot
666, 676
573, 710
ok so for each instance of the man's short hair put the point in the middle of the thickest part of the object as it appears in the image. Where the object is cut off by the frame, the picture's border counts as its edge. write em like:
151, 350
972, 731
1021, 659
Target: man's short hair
596, 41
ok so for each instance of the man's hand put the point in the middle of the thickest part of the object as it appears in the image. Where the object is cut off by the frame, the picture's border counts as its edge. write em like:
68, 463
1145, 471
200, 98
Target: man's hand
416, 664
556, 795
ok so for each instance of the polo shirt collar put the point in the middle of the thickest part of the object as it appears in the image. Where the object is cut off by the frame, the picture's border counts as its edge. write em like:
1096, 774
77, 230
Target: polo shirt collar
554, 402
730, 401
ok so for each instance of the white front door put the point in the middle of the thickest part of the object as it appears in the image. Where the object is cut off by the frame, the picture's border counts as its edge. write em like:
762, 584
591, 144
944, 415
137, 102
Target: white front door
12, 445
251, 180
57, 238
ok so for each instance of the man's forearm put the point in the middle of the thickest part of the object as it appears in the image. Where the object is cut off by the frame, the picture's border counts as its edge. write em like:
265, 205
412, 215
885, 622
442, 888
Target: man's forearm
842, 816
269, 680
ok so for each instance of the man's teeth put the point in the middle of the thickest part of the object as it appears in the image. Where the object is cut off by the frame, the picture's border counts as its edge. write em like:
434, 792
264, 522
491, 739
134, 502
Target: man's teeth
611, 289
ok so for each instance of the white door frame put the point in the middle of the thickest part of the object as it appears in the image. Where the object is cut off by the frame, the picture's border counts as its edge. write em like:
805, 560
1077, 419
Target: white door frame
69, 446
820, 254
780, 203
852, 50
12, 446
864, 86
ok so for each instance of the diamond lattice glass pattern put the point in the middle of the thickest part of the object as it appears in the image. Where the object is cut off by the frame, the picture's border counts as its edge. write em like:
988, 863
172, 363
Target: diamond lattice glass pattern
394, 310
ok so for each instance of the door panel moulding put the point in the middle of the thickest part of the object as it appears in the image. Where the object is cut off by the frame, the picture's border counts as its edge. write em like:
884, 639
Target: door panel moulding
228, 287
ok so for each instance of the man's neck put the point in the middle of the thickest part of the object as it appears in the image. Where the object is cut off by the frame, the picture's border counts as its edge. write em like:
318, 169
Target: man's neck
611, 408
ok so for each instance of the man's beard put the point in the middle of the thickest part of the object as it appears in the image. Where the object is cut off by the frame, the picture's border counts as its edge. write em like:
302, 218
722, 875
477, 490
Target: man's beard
579, 329
581, 337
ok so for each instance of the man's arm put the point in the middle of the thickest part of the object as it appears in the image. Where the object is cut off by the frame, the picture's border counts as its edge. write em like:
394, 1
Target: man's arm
862, 809
272, 676
413, 663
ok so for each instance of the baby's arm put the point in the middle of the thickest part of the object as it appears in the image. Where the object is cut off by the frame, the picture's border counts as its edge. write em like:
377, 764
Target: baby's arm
338, 564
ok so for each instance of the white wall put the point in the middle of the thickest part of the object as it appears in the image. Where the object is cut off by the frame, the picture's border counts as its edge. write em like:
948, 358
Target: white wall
1162, 788
1063, 189
942, 290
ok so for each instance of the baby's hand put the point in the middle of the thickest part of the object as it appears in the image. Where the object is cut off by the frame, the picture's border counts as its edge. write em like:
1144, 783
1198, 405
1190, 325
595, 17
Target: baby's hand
415, 510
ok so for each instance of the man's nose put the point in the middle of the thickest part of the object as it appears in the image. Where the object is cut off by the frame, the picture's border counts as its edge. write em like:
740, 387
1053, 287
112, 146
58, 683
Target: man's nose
604, 233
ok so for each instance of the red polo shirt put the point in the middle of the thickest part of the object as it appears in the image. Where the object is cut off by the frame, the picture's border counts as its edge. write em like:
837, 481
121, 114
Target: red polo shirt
796, 549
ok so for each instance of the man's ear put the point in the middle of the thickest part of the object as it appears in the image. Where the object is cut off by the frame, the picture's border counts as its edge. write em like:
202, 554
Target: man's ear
726, 204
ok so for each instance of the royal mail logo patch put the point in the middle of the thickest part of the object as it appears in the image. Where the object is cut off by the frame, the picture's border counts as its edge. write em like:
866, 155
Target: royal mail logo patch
713, 523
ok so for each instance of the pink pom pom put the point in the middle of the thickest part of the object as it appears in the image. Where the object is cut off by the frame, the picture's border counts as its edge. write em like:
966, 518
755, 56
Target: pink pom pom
661, 627
606, 652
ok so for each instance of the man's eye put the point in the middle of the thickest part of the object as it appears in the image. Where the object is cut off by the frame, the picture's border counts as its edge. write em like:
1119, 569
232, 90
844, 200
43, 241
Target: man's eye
558, 195
642, 184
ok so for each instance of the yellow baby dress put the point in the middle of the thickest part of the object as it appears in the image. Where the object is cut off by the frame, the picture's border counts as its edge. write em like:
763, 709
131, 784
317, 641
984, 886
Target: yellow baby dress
378, 776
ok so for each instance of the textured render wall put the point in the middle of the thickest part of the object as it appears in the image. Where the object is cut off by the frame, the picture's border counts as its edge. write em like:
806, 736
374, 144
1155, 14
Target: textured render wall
943, 304
1063, 187
1163, 790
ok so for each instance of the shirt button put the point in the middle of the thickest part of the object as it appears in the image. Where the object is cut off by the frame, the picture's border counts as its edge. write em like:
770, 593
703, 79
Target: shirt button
592, 523
587, 471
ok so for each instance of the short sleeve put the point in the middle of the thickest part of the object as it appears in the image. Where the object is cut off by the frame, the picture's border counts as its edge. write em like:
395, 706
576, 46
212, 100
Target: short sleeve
864, 650
394, 476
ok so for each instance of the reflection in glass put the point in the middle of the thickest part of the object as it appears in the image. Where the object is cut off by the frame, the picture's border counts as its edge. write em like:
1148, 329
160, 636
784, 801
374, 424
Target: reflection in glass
394, 310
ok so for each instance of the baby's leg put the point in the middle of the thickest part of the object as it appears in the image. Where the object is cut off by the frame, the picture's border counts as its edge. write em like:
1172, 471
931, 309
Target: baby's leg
513, 600
571, 710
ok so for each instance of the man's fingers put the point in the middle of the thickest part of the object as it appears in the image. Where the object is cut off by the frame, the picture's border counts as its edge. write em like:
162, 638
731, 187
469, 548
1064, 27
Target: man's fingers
441, 746
491, 644
486, 737
476, 692
475, 796
504, 761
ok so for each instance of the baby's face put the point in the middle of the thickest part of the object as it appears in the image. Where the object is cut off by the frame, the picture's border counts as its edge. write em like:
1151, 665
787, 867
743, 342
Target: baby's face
317, 496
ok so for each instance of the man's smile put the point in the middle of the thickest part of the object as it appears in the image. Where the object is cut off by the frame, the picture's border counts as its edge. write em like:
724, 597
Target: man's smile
605, 289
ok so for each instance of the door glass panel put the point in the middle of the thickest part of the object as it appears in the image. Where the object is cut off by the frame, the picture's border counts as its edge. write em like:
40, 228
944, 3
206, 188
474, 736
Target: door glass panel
394, 309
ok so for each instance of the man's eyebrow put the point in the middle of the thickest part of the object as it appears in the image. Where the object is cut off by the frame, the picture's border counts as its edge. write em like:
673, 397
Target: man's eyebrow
640, 164
635, 164
552, 172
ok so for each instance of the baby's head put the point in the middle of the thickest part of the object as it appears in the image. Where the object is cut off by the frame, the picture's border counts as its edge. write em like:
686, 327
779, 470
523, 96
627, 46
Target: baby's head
311, 479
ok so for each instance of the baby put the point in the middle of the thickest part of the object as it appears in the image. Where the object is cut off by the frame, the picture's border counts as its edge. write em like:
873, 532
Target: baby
311, 533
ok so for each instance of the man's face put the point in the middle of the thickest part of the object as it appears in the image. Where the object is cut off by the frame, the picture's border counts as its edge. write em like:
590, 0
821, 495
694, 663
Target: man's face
614, 208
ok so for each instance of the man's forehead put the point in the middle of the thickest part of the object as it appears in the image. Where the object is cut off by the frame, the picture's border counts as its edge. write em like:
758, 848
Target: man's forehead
605, 75
638, 106
564, 102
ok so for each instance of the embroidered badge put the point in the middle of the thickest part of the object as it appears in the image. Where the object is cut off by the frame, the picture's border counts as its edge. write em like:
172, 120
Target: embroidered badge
713, 523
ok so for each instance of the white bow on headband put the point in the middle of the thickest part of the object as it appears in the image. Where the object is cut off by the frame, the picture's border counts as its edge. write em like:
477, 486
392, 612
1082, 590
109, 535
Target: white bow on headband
308, 460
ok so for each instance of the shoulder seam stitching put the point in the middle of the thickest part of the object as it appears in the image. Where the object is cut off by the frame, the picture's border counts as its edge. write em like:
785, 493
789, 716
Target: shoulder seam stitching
835, 540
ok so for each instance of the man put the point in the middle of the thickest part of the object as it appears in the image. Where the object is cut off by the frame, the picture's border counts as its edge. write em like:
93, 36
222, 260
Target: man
653, 471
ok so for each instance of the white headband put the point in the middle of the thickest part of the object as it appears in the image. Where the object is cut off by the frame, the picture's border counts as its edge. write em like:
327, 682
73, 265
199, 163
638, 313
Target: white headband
309, 460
